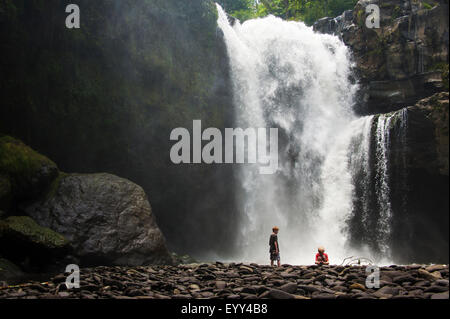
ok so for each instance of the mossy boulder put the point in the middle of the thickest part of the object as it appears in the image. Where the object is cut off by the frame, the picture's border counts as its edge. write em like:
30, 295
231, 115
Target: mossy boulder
26, 227
24, 173
22, 240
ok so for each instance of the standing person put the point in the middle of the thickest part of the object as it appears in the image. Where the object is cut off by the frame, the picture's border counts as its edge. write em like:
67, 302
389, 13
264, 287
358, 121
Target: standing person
321, 257
274, 247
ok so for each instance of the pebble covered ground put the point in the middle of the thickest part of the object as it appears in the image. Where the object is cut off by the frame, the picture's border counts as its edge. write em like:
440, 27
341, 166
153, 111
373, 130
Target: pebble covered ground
241, 281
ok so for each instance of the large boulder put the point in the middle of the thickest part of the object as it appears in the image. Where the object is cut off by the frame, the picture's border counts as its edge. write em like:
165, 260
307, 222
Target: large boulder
107, 219
24, 173
25, 242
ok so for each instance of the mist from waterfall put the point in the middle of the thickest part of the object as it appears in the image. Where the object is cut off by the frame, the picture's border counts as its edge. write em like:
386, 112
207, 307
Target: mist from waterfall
287, 76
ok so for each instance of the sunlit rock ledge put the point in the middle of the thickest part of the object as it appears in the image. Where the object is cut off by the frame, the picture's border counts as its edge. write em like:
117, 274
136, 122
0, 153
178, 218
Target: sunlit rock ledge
242, 281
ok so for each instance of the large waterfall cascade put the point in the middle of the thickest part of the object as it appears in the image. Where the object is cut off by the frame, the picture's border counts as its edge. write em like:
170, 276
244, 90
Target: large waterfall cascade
287, 76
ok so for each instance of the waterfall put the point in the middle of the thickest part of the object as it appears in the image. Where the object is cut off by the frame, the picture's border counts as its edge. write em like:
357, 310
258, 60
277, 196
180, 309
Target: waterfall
382, 179
403, 140
360, 156
376, 182
287, 76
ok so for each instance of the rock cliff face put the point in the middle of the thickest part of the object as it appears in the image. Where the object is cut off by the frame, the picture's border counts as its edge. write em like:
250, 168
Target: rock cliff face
115, 88
401, 62
420, 181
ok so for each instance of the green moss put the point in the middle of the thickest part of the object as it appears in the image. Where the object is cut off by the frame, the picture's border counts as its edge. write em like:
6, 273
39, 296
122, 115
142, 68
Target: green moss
26, 227
360, 18
426, 5
17, 160
397, 12
24, 173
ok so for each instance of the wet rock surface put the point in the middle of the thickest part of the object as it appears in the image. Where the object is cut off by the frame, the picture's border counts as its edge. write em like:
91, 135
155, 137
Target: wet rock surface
401, 62
239, 281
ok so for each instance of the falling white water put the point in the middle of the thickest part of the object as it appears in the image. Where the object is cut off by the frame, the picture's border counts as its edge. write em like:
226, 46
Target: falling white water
360, 165
383, 140
338, 187
289, 77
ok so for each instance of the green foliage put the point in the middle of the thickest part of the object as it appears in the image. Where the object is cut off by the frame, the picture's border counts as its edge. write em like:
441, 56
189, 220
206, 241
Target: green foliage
426, 5
236, 5
307, 11
240, 9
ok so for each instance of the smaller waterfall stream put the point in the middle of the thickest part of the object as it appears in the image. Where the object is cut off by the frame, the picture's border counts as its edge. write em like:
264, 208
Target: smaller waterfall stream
383, 140
360, 166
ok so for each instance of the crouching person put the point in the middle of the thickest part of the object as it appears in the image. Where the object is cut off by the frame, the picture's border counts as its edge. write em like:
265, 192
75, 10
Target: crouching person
321, 257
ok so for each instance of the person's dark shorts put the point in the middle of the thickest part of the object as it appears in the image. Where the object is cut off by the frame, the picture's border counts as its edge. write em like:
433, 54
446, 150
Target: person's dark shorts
274, 256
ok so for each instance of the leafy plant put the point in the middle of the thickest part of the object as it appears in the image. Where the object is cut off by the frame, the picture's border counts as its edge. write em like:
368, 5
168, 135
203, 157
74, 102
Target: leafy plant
307, 11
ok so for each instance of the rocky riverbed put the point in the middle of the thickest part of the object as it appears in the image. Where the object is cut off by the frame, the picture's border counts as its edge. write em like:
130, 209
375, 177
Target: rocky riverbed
241, 281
